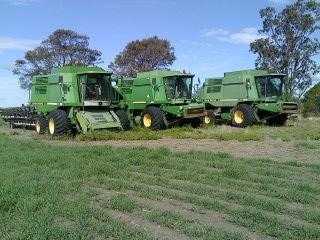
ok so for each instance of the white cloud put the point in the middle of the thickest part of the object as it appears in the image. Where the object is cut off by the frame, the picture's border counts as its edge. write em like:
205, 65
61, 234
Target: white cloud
20, 2
215, 32
244, 36
8, 43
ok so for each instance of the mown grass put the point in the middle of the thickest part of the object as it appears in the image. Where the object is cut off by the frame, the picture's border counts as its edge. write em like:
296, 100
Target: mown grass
122, 203
48, 192
2, 122
303, 129
305, 133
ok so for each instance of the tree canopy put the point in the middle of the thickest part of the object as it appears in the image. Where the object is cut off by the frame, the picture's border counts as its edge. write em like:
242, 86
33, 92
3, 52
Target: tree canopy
311, 101
62, 47
143, 55
289, 44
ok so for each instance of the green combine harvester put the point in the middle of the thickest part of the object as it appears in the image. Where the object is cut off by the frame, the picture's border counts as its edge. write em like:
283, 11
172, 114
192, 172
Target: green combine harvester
160, 99
247, 97
72, 98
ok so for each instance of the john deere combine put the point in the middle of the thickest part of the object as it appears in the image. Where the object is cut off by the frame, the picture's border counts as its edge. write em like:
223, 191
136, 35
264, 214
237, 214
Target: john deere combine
246, 97
161, 99
72, 98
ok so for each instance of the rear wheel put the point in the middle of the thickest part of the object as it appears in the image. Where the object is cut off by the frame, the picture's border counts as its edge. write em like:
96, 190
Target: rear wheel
243, 115
153, 118
279, 120
58, 123
41, 124
209, 118
124, 119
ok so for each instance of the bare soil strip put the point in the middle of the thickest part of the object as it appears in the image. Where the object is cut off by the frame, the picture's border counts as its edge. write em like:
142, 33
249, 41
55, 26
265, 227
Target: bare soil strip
184, 209
274, 149
159, 232
269, 148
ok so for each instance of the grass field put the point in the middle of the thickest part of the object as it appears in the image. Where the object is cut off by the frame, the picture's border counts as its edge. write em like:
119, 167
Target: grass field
62, 191
303, 130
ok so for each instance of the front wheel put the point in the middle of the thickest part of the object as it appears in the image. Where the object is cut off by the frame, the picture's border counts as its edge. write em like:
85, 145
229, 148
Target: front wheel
279, 120
243, 115
153, 118
41, 124
124, 119
58, 123
197, 122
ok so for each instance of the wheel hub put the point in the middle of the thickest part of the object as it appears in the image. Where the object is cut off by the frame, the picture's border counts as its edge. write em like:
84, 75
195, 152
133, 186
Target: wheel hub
51, 126
147, 120
207, 120
238, 117
38, 128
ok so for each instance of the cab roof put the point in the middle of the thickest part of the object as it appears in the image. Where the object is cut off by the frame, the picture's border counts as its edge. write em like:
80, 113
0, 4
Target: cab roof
163, 73
252, 72
75, 70
80, 70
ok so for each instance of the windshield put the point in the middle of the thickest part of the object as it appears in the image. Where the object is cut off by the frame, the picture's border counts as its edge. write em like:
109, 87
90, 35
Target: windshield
97, 87
179, 87
270, 86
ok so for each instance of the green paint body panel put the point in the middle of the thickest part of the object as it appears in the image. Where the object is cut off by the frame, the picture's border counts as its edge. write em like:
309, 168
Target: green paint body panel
83, 92
95, 120
155, 88
247, 86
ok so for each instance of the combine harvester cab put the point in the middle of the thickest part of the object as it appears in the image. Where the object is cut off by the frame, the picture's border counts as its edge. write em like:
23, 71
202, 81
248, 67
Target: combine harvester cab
77, 98
160, 99
247, 97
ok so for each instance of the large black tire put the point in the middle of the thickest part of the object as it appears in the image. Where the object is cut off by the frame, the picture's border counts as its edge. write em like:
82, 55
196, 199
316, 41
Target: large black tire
279, 120
58, 123
243, 115
197, 122
124, 119
153, 118
41, 124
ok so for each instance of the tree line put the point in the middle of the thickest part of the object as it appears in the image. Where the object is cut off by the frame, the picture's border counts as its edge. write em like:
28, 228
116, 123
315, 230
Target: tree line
288, 45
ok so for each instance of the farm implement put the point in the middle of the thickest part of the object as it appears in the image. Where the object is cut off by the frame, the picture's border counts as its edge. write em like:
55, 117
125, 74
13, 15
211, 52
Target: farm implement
22, 117
160, 99
247, 97
71, 98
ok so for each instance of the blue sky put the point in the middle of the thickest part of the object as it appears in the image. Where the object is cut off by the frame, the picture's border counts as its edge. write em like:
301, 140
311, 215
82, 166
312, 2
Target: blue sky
210, 36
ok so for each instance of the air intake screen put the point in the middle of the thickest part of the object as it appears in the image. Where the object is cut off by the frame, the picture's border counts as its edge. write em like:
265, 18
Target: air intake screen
213, 89
215, 82
41, 80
